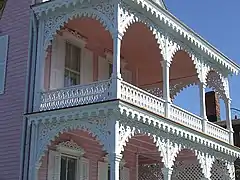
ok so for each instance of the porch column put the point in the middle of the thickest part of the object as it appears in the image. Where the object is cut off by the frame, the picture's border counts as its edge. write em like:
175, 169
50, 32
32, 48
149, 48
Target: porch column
39, 79
33, 165
167, 173
229, 120
166, 89
203, 114
116, 75
115, 160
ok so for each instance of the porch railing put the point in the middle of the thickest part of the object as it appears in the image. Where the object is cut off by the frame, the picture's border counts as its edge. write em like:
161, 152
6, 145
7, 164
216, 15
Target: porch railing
75, 95
186, 118
101, 91
141, 98
217, 131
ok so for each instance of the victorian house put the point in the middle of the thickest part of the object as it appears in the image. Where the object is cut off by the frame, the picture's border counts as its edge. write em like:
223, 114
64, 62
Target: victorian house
102, 76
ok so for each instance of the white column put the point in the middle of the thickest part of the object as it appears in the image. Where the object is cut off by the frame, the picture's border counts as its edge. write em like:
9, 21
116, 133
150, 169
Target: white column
229, 120
166, 88
167, 173
116, 75
39, 66
203, 114
114, 166
33, 166
117, 56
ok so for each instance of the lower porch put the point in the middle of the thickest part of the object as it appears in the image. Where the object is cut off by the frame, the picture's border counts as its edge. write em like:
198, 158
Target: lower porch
77, 154
115, 140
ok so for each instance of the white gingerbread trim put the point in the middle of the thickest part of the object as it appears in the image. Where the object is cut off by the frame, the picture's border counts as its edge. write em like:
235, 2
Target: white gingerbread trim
70, 147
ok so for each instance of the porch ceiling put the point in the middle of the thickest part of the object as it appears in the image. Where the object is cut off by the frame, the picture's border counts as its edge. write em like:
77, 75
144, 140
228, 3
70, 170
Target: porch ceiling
139, 49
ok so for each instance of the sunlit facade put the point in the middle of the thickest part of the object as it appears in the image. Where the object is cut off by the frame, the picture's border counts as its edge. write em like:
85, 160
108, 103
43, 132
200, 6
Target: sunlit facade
104, 75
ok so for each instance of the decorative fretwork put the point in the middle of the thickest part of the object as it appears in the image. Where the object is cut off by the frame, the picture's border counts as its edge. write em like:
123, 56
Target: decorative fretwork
133, 124
155, 91
218, 83
150, 172
96, 124
72, 146
104, 12
75, 95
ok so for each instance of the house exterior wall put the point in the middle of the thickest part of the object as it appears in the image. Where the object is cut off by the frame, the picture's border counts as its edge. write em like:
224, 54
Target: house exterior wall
15, 24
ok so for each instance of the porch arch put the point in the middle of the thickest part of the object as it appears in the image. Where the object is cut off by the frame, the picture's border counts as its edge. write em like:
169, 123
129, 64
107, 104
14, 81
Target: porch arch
101, 12
52, 130
78, 141
187, 166
141, 50
142, 155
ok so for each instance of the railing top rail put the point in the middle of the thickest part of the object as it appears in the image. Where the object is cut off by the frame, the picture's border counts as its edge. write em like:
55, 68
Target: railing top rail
217, 126
189, 113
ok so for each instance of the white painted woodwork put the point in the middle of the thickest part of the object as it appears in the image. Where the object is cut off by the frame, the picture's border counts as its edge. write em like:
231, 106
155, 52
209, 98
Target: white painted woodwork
103, 69
54, 165
57, 63
87, 66
84, 169
102, 170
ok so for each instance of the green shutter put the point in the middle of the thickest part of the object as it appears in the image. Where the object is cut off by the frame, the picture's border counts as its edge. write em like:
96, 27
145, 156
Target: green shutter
3, 59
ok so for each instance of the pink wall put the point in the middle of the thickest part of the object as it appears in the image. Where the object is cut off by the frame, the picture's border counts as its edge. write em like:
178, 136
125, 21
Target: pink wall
15, 23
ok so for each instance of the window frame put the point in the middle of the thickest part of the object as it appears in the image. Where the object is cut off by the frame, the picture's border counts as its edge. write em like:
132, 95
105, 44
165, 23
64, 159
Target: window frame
80, 73
3, 8
68, 37
70, 149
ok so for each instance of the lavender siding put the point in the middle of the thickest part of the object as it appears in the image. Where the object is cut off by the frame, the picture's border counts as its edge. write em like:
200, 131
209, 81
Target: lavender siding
15, 23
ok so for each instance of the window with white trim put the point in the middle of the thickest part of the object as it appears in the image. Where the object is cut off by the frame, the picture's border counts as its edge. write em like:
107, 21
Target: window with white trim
3, 61
72, 65
2, 6
67, 162
68, 168
71, 62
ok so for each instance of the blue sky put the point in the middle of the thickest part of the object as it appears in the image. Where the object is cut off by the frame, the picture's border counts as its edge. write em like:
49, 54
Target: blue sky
218, 22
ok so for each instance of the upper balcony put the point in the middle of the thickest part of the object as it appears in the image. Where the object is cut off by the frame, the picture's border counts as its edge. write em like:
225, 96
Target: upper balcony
84, 64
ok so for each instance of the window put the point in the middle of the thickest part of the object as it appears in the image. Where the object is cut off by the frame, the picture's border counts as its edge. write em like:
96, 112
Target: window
72, 65
2, 6
3, 59
68, 168
67, 162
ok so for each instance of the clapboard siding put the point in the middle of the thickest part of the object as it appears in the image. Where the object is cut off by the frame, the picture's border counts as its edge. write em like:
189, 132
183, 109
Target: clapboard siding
15, 23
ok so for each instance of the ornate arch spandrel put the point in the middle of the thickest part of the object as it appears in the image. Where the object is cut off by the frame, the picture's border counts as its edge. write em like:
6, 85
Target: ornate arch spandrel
97, 126
218, 82
103, 12
158, 128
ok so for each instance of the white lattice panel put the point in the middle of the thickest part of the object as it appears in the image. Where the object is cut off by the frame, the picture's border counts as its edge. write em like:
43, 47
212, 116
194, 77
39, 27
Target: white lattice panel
219, 171
150, 172
187, 172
